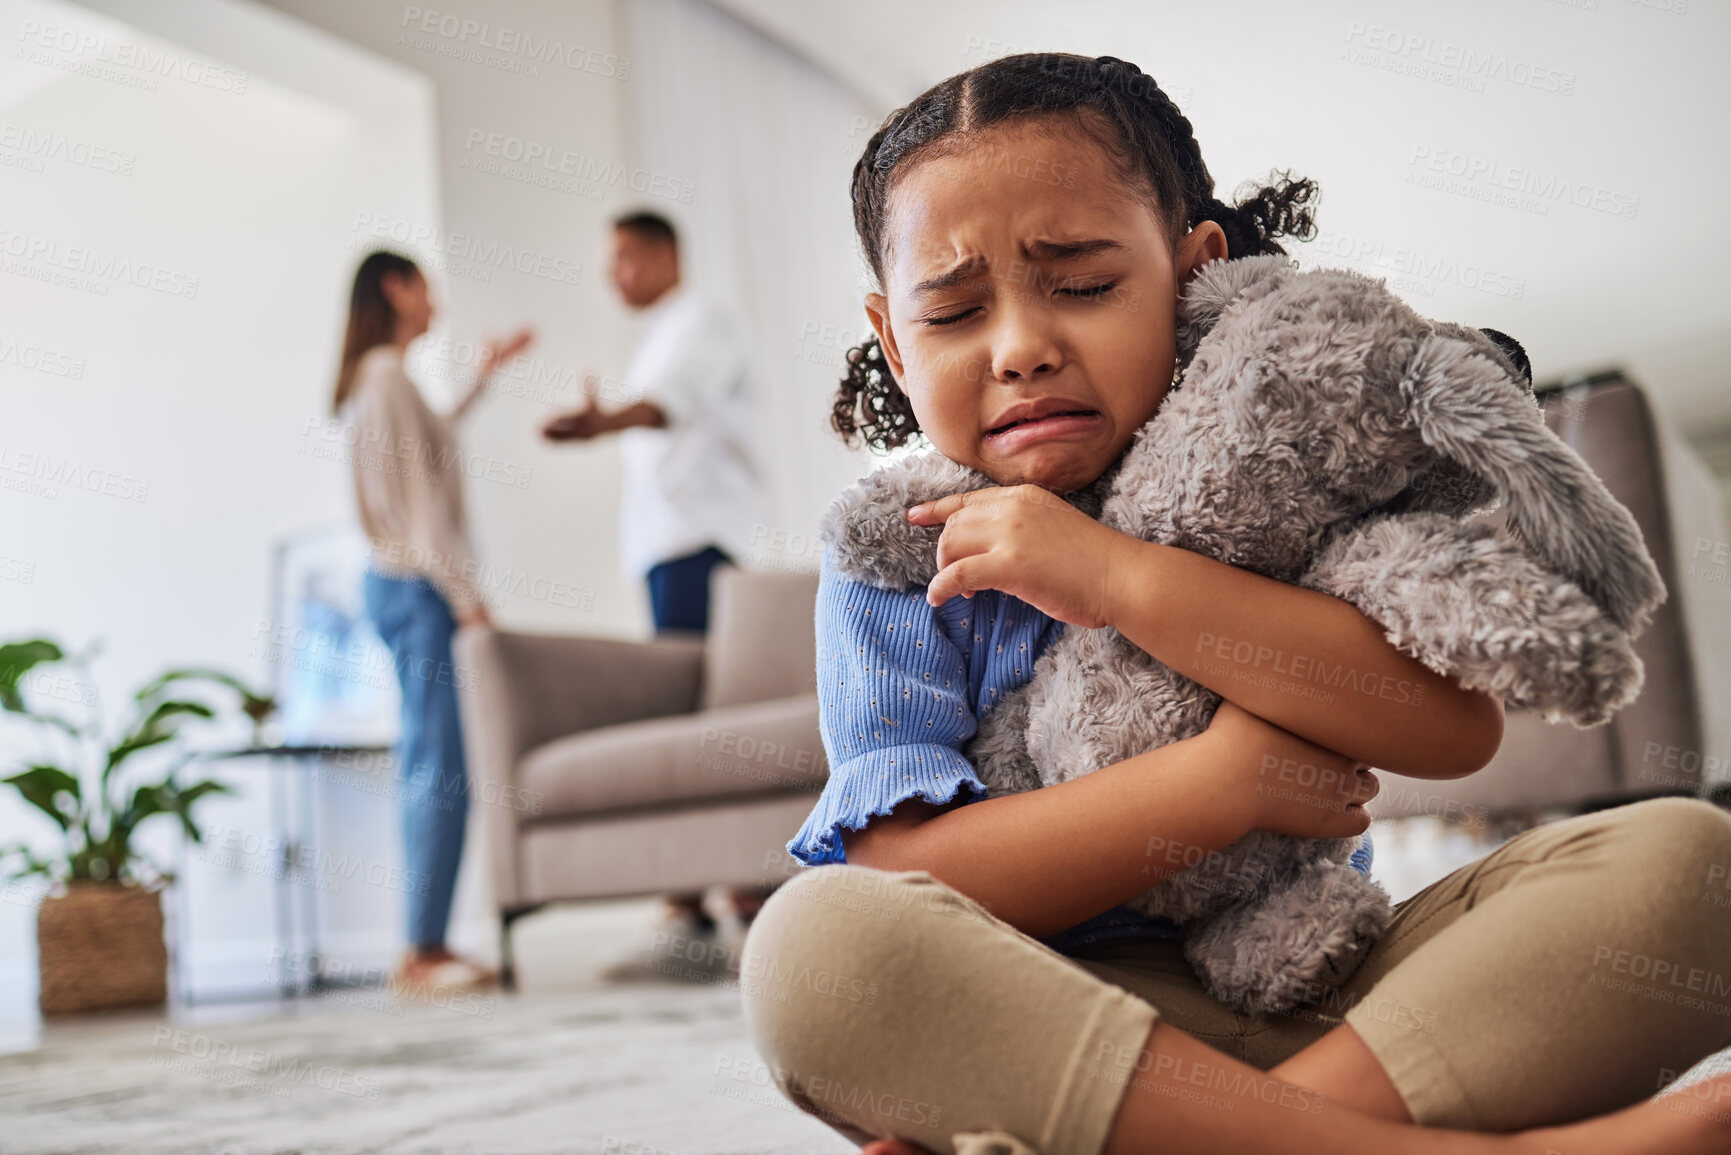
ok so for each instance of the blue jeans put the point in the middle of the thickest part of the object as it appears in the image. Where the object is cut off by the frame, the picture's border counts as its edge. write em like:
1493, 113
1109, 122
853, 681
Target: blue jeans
679, 590
414, 621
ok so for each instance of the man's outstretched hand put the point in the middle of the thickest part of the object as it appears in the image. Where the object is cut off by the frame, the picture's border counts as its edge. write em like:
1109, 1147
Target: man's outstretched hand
577, 425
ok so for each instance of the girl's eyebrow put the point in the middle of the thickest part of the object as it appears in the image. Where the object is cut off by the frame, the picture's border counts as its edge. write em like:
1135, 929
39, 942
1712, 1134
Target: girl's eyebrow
957, 274
1070, 250
970, 266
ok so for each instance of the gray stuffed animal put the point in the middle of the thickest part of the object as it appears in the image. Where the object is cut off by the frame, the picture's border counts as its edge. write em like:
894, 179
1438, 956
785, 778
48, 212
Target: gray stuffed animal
1326, 435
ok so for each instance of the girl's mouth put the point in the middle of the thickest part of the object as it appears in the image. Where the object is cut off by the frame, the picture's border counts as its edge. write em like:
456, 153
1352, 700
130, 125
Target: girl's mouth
1015, 435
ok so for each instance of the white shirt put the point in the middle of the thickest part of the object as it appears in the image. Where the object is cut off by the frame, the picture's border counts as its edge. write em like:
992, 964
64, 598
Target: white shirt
694, 482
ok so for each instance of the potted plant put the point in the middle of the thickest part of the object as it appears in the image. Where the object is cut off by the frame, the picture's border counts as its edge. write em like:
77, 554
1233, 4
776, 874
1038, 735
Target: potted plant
99, 929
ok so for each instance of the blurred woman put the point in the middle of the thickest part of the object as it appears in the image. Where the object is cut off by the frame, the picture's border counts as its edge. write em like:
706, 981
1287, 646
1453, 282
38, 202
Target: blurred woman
420, 584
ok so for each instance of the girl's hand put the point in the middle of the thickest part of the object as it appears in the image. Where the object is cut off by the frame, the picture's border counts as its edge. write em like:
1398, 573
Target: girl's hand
1288, 785
1031, 544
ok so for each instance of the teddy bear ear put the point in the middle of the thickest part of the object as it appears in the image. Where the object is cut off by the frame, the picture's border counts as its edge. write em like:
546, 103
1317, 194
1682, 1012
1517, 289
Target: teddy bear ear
1467, 407
1515, 352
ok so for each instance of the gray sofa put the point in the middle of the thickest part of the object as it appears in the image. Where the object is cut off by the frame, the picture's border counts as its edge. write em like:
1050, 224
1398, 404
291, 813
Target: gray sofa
1679, 726
605, 768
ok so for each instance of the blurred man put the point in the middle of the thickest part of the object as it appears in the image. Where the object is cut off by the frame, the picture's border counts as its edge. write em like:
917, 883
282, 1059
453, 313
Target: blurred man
691, 488
691, 497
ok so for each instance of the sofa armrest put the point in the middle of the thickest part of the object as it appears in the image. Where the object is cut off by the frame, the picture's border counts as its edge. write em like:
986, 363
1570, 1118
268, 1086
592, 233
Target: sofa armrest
523, 690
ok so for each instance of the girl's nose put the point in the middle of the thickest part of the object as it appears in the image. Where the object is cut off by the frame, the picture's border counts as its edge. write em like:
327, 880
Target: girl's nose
1023, 348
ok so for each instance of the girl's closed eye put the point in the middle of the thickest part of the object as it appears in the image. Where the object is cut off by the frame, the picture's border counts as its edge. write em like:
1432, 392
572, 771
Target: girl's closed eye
1076, 292
1089, 291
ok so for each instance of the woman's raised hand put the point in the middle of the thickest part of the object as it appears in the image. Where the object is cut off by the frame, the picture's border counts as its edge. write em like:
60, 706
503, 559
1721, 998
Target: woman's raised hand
1289, 785
496, 351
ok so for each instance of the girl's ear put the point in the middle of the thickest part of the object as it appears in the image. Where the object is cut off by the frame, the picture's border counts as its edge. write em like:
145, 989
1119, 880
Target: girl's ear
1206, 242
877, 309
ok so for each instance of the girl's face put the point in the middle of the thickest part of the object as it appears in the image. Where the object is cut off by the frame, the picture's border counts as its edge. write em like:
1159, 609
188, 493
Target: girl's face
1030, 304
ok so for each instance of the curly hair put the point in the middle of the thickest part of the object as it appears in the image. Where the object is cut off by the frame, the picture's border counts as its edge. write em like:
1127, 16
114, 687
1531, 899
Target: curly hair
1115, 104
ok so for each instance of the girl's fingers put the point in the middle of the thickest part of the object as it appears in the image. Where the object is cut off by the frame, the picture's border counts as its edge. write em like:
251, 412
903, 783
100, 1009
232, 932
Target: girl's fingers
963, 537
937, 512
962, 577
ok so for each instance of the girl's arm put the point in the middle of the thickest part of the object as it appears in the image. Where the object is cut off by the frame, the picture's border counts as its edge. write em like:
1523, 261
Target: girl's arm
1307, 662
1049, 859
1303, 660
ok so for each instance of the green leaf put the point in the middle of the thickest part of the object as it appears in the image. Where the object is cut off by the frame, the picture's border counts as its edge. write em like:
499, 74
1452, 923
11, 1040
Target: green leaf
185, 798
156, 729
42, 786
254, 705
16, 660
54, 720
32, 865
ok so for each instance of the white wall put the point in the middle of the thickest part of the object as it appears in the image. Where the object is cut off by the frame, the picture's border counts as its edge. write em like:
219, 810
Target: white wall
191, 185
766, 141
508, 78
1316, 87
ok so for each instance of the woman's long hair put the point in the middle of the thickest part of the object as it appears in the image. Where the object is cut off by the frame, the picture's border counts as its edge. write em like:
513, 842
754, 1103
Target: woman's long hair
372, 320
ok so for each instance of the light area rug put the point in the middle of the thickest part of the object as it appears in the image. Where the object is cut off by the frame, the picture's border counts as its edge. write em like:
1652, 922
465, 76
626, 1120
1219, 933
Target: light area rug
632, 1071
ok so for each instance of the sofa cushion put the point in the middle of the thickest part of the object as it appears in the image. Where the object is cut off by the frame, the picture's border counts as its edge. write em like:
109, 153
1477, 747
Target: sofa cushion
763, 747
762, 637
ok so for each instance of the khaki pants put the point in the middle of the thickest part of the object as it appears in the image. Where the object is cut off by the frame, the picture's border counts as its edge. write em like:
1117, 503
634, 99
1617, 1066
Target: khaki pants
1568, 973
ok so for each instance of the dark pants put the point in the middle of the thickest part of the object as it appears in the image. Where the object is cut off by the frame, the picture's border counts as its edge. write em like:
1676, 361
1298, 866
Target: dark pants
679, 590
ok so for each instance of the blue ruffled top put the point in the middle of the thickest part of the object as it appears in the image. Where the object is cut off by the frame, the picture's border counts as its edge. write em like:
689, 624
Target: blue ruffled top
901, 686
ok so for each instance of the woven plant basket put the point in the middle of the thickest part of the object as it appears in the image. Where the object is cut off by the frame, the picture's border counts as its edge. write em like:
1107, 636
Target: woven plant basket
100, 946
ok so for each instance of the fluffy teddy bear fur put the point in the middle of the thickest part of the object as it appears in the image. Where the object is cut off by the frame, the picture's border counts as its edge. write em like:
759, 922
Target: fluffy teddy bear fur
1324, 434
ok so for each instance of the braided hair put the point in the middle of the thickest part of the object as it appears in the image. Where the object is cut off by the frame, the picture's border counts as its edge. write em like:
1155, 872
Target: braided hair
1113, 102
